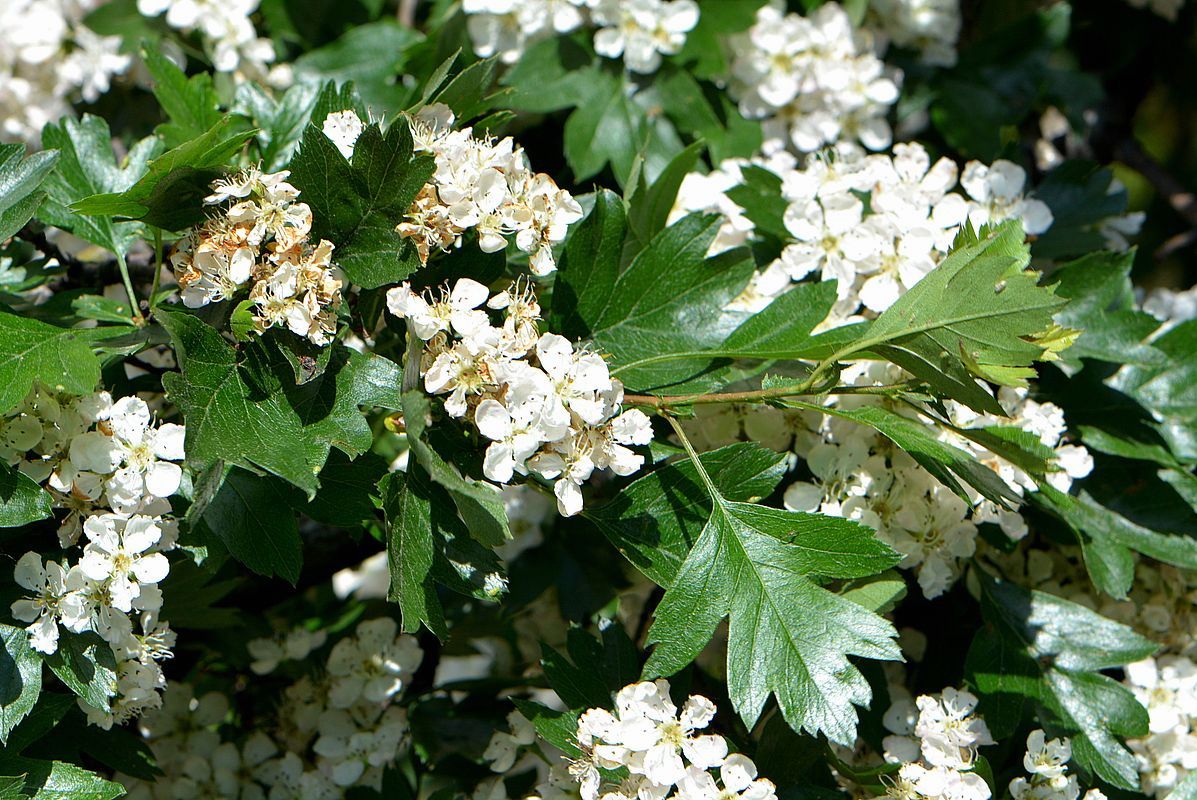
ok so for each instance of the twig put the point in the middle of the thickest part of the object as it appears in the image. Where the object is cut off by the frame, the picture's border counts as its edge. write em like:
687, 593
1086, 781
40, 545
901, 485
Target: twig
1183, 201
407, 13
1176, 243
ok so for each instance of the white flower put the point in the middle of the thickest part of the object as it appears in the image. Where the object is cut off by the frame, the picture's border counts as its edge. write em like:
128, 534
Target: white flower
643, 30
948, 730
456, 311
45, 606
655, 737
997, 190
577, 377
512, 435
1046, 758
343, 128
118, 553
738, 775
373, 665
503, 747
349, 748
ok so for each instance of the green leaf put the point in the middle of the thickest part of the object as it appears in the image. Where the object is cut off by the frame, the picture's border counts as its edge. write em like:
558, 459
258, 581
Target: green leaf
467, 93
253, 515
348, 490
656, 520
370, 55
20, 679
280, 122
87, 166
608, 127
58, 780
121, 750
244, 408
787, 635
578, 684
1045, 649
1108, 528
50, 709
1080, 198
22, 500
589, 267
411, 548
12, 789
332, 99
759, 194
1169, 389
649, 207
191, 103
479, 503
880, 593
170, 194
944, 461
1102, 306
358, 206
20, 185
60, 359
85, 663
553, 74
670, 300
558, 728
973, 316
705, 43
784, 325
190, 595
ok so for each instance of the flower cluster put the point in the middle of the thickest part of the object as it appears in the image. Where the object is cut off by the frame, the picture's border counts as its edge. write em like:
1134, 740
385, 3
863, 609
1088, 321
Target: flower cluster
487, 186
546, 406
859, 474
640, 31
935, 739
263, 237
1046, 763
110, 468
295, 645
814, 81
49, 59
1168, 9
930, 27
876, 252
662, 749
336, 729
227, 32
1167, 687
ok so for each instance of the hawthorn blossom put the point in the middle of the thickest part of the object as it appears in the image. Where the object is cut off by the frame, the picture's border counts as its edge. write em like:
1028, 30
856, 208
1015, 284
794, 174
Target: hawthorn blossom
485, 186
546, 406
374, 665
813, 80
343, 128
119, 554
641, 31
48, 603
261, 238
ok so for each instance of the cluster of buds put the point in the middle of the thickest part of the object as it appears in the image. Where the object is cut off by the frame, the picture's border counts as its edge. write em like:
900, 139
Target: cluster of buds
261, 236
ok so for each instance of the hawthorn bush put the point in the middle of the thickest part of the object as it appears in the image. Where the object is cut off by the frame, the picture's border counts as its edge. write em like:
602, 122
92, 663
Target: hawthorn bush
622, 399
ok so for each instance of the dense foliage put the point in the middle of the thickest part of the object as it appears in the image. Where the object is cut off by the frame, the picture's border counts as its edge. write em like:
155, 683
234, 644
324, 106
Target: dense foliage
695, 399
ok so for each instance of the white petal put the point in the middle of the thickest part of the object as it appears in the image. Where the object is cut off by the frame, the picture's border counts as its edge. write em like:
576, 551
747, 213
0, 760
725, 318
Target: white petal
162, 478
152, 568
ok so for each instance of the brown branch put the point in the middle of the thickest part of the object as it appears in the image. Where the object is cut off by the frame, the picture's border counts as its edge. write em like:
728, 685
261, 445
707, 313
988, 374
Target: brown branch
407, 13
1183, 201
